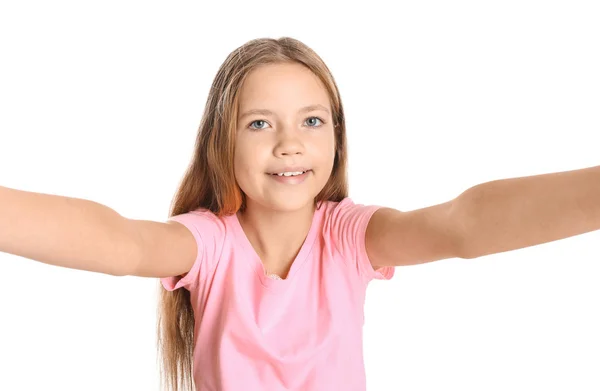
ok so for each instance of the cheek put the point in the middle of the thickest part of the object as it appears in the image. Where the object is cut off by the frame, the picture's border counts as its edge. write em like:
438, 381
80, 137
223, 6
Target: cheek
242, 155
328, 150
240, 164
246, 163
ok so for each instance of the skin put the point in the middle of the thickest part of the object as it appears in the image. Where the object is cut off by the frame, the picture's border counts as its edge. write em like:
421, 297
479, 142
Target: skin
278, 216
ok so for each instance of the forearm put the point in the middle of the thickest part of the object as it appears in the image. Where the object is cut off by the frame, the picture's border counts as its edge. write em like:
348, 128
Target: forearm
514, 213
64, 231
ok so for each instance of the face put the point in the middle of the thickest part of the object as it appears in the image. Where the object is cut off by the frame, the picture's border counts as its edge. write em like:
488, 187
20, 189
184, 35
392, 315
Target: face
287, 137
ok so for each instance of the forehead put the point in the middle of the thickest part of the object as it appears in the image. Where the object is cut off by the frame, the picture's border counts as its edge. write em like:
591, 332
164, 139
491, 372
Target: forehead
281, 86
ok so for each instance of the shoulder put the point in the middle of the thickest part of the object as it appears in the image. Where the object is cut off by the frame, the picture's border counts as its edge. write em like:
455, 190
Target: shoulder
346, 228
347, 212
208, 229
200, 254
200, 216
346, 222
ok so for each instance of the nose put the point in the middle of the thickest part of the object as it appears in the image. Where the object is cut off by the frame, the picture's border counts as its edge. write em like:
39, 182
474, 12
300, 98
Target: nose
288, 143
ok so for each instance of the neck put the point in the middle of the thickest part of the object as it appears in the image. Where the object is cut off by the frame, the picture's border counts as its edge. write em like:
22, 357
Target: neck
275, 235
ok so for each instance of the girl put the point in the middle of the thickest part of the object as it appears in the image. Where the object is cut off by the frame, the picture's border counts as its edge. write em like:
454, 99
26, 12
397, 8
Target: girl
265, 260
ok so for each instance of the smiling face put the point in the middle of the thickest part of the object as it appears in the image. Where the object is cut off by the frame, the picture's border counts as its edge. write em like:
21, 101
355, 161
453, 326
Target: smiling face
297, 131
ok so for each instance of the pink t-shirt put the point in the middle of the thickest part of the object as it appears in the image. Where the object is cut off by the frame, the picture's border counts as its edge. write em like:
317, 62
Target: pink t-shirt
253, 332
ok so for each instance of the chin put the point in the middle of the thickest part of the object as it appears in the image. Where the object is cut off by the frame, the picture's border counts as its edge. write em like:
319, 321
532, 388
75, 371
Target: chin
288, 203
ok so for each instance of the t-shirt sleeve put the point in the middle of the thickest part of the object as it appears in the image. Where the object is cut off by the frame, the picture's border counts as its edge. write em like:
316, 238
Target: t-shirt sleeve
209, 235
348, 228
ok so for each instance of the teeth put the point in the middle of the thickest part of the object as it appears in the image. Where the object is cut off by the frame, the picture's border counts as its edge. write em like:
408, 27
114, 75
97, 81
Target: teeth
291, 173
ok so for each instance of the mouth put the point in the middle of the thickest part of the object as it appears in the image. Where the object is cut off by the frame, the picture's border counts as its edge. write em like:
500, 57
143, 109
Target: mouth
290, 174
291, 179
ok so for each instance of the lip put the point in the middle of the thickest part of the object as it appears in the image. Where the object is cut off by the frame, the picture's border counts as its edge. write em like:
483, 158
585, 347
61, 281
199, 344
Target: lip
289, 169
291, 180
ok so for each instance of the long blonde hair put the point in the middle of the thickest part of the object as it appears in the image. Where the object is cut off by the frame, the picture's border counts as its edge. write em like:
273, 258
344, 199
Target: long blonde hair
209, 180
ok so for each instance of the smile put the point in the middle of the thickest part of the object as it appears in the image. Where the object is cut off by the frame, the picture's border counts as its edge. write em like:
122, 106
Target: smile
290, 179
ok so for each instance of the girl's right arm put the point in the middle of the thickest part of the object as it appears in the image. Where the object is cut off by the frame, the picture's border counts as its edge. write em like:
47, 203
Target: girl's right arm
82, 234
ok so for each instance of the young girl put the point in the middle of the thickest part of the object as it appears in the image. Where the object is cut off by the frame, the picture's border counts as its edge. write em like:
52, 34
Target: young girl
265, 260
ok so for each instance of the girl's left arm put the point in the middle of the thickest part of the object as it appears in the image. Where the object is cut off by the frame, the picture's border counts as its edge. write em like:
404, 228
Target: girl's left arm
514, 213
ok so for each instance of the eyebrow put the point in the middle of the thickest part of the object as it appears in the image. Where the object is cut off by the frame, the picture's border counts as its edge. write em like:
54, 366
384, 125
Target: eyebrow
302, 110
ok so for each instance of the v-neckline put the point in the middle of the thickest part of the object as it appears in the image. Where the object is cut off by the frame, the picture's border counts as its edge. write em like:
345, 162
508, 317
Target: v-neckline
299, 260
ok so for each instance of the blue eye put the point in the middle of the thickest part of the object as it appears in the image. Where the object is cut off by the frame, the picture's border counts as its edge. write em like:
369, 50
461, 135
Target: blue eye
317, 119
260, 120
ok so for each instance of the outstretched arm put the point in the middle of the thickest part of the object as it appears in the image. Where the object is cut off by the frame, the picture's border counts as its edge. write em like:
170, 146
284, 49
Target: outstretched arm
67, 232
514, 213
488, 218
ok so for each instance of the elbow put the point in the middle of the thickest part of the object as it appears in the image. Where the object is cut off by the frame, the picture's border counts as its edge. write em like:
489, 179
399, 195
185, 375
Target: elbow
463, 217
130, 253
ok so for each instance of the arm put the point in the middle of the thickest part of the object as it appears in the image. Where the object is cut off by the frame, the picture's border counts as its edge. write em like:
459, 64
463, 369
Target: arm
513, 213
67, 232
397, 238
488, 218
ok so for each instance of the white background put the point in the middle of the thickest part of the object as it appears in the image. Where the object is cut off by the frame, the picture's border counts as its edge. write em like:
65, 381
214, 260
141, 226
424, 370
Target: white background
102, 101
